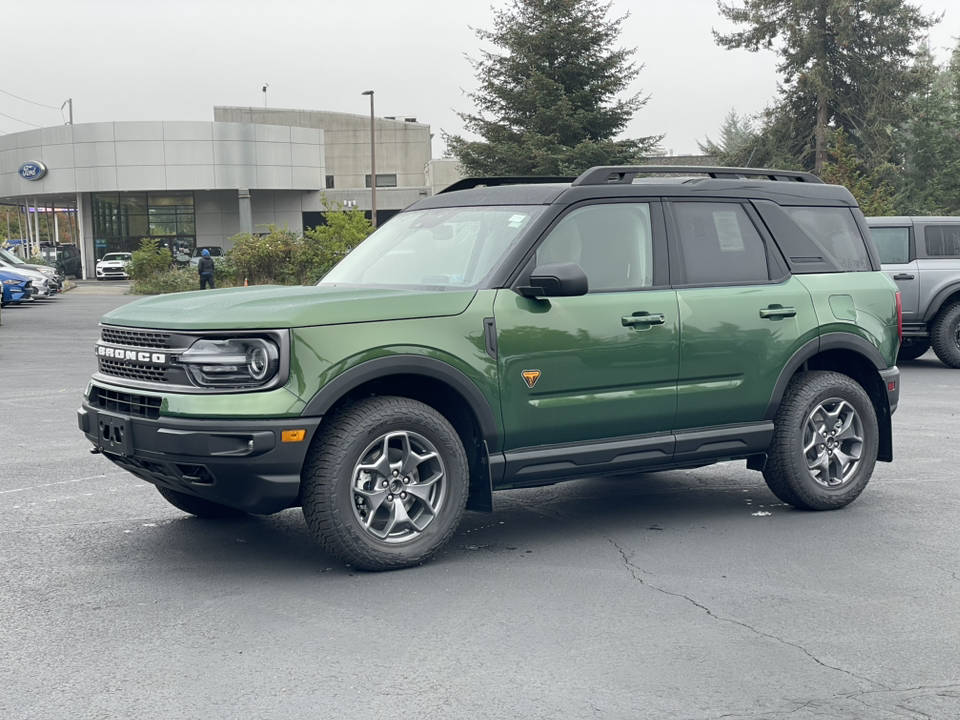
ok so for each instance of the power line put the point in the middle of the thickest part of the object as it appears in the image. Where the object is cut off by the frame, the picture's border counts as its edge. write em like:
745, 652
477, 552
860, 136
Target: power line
51, 107
19, 120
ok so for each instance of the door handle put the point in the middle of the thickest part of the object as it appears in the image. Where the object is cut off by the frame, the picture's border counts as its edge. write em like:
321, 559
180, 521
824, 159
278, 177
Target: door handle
642, 319
776, 311
903, 276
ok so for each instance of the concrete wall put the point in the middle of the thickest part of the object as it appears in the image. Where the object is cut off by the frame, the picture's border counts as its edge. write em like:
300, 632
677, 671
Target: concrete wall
111, 156
403, 148
442, 173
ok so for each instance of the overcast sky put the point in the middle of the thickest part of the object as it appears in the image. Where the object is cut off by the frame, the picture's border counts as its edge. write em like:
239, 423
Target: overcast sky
176, 59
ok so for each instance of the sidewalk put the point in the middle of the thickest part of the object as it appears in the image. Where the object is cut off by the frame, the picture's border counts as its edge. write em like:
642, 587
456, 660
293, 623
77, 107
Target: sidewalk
105, 287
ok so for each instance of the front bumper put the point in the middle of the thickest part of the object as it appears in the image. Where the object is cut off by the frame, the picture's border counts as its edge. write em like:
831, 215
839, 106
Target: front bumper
242, 464
112, 273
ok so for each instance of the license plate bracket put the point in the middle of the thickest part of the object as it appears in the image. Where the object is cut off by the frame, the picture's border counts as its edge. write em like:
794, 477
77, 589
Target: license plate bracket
114, 434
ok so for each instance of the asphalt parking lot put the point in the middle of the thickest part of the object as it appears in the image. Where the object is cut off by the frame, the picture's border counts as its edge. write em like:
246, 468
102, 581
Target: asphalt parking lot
689, 594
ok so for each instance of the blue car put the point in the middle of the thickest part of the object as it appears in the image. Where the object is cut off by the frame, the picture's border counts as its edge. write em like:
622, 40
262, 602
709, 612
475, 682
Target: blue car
16, 287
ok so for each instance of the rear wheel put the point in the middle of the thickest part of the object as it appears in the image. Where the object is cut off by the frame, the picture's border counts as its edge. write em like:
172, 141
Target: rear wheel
198, 506
825, 442
912, 348
945, 336
385, 483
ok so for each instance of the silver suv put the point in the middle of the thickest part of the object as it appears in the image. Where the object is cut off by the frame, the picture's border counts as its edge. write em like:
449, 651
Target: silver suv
922, 255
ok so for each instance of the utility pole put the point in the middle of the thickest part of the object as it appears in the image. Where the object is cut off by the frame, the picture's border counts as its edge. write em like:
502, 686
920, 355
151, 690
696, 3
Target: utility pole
373, 163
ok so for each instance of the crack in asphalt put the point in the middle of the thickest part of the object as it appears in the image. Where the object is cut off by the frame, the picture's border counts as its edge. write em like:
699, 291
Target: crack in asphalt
949, 572
634, 569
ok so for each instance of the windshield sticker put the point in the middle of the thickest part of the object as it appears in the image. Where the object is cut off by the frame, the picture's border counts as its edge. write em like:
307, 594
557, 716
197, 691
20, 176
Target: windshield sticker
728, 230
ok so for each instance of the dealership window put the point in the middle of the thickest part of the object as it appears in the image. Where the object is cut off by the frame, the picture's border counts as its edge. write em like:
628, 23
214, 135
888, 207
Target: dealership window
121, 220
382, 180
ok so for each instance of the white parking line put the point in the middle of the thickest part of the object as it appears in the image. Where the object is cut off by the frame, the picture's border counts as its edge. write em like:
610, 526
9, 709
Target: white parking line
62, 482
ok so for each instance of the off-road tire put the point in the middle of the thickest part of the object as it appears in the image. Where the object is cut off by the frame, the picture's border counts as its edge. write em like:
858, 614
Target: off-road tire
198, 506
786, 472
912, 348
330, 472
943, 335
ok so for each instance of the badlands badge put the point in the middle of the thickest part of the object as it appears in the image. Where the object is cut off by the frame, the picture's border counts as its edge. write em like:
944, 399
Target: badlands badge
530, 377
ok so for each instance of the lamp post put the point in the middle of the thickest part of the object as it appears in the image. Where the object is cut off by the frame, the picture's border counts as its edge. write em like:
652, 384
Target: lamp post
373, 164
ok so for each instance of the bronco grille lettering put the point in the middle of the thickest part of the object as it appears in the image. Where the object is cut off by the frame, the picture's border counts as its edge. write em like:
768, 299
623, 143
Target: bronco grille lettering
135, 355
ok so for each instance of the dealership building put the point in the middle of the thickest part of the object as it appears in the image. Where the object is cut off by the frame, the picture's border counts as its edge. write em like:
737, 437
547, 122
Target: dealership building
194, 184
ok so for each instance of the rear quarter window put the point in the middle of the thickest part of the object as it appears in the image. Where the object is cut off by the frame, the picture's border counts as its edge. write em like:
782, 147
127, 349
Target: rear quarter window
942, 240
835, 232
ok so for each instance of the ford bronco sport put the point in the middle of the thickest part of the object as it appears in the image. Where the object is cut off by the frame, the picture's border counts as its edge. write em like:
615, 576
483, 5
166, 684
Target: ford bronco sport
511, 335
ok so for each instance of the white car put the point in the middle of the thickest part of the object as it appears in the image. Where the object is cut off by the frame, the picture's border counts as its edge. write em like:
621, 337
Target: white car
215, 252
44, 286
113, 265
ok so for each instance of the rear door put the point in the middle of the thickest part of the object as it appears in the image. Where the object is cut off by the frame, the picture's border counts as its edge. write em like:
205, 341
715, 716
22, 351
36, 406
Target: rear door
742, 316
898, 257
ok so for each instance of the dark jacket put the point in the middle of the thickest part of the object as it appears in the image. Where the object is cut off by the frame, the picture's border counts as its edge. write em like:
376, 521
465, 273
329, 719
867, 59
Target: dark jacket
205, 266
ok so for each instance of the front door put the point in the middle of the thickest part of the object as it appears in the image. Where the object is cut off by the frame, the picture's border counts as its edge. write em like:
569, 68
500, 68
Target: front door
602, 366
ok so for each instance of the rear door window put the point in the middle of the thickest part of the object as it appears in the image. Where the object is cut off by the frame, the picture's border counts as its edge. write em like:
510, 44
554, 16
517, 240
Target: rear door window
719, 244
893, 244
835, 232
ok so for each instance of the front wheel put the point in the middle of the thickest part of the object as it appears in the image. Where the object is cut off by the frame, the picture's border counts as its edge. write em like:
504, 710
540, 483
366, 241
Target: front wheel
825, 442
385, 483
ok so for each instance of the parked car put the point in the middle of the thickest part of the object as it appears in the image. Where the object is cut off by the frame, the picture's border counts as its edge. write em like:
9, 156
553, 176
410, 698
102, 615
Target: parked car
15, 263
494, 337
64, 257
113, 265
16, 288
922, 256
216, 253
43, 284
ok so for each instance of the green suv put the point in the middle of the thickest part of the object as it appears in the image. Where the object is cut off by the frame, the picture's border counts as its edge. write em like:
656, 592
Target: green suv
502, 335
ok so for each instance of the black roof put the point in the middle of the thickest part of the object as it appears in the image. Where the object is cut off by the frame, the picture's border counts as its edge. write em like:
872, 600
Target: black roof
780, 186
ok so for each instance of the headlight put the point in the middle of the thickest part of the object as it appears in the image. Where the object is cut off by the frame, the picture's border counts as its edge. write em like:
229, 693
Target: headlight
237, 362
12, 282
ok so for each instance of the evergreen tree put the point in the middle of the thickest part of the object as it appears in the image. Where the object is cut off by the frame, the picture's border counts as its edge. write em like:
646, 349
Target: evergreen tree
736, 133
931, 143
845, 64
549, 104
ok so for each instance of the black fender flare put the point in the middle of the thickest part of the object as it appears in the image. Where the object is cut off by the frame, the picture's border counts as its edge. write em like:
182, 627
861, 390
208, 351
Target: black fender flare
388, 365
829, 341
937, 303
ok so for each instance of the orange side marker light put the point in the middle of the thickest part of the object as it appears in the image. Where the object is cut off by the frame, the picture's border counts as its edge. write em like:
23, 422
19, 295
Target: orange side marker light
293, 435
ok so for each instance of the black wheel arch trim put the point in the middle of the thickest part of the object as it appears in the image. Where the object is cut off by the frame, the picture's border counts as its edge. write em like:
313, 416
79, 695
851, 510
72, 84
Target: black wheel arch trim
936, 305
829, 341
389, 365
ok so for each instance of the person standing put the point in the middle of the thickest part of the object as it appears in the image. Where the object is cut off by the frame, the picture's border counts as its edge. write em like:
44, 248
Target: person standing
205, 268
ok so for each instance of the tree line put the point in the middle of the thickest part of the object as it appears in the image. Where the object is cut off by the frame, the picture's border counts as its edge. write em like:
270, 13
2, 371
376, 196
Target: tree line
861, 99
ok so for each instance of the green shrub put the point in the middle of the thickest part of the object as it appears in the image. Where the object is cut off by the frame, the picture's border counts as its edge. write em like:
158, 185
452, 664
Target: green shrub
150, 260
324, 246
168, 280
36, 259
264, 259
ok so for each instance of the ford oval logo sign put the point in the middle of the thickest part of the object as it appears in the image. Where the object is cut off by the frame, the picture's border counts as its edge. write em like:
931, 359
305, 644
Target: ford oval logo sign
33, 170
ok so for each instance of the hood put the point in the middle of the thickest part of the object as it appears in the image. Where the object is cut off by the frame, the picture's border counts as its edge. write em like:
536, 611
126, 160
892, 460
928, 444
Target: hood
273, 306
25, 273
6, 274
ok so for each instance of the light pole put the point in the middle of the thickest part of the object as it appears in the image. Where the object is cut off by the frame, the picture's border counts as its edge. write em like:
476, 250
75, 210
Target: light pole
265, 86
373, 164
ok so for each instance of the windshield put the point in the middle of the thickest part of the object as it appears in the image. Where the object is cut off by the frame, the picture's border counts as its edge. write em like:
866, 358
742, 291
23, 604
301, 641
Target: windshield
116, 256
440, 248
11, 258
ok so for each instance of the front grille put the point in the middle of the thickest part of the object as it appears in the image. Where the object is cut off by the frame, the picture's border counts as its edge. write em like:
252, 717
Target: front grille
142, 406
133, 371
135, 338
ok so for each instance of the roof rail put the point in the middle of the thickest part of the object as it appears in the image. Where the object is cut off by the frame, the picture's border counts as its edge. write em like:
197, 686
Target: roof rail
470, 183
624, 175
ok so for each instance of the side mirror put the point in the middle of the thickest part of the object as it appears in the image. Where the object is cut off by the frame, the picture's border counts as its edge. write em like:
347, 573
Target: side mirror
556, 280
